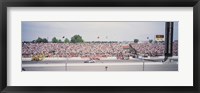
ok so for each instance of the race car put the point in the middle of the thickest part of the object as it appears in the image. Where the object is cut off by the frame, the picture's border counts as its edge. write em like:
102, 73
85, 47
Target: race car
89, 61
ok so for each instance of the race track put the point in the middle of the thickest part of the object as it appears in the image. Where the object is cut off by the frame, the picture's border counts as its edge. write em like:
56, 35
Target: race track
99, 65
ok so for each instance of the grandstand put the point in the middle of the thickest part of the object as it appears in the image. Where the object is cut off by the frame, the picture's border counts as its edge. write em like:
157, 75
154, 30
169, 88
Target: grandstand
68, 50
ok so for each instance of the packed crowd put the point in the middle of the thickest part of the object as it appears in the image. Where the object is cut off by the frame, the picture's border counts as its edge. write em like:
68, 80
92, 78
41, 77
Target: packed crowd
91, 49
154, 49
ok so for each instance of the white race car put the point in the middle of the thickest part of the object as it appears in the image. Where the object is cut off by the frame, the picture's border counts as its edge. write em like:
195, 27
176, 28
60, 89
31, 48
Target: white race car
89, 61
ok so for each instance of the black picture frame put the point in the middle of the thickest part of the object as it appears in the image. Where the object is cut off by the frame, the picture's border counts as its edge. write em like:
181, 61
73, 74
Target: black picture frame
99, 3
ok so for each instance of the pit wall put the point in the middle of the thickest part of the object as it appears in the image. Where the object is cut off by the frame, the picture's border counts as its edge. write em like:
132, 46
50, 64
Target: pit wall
87, 58
72, 58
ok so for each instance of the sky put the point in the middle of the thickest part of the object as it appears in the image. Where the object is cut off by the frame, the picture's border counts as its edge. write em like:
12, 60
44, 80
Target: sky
95, 31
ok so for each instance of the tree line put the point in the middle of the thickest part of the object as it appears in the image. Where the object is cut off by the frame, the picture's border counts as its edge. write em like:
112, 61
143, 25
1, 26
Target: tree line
74, 39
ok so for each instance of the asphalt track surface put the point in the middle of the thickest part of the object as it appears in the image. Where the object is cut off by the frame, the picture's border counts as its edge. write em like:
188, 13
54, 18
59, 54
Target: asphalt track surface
99, 65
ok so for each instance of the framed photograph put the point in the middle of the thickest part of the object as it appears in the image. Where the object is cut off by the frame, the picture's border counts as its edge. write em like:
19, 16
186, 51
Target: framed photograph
103, 46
